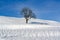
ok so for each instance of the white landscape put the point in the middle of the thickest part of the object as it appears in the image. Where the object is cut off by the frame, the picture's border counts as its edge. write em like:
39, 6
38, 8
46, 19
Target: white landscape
12, 28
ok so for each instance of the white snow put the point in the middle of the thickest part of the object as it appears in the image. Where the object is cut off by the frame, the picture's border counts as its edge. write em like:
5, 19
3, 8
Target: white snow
19, 23
35, 29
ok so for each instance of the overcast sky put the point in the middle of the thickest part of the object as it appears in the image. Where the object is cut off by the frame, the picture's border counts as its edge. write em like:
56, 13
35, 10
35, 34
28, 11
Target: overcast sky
44, 9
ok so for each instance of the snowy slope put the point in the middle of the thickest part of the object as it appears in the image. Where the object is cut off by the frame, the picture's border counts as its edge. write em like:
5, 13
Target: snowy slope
13, 20
17, 23
37, 29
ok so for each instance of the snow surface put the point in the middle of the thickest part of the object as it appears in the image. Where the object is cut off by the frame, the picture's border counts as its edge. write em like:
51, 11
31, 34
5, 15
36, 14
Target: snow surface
12, 28
18, 23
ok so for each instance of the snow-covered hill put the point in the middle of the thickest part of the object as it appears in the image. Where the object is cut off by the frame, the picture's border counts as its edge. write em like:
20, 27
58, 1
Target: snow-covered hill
37, 29
20, 23
13, 20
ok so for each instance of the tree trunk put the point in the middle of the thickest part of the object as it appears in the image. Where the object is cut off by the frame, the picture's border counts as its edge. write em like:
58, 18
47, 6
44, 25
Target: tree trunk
26, 20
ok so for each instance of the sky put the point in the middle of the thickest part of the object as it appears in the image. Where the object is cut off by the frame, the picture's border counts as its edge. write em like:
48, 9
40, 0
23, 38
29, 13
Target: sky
43, 9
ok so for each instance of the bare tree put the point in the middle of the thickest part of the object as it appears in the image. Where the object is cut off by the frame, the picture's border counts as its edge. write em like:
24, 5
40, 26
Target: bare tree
27, 13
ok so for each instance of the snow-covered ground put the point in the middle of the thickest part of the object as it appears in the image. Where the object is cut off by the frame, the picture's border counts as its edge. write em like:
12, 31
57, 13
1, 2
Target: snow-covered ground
20, 23
12, 28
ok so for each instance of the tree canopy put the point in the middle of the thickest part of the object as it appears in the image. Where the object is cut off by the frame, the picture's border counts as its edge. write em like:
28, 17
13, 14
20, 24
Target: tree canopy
27, 13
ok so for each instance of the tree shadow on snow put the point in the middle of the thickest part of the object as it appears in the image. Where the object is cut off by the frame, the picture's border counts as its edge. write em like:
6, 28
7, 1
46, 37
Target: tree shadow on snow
39, 23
